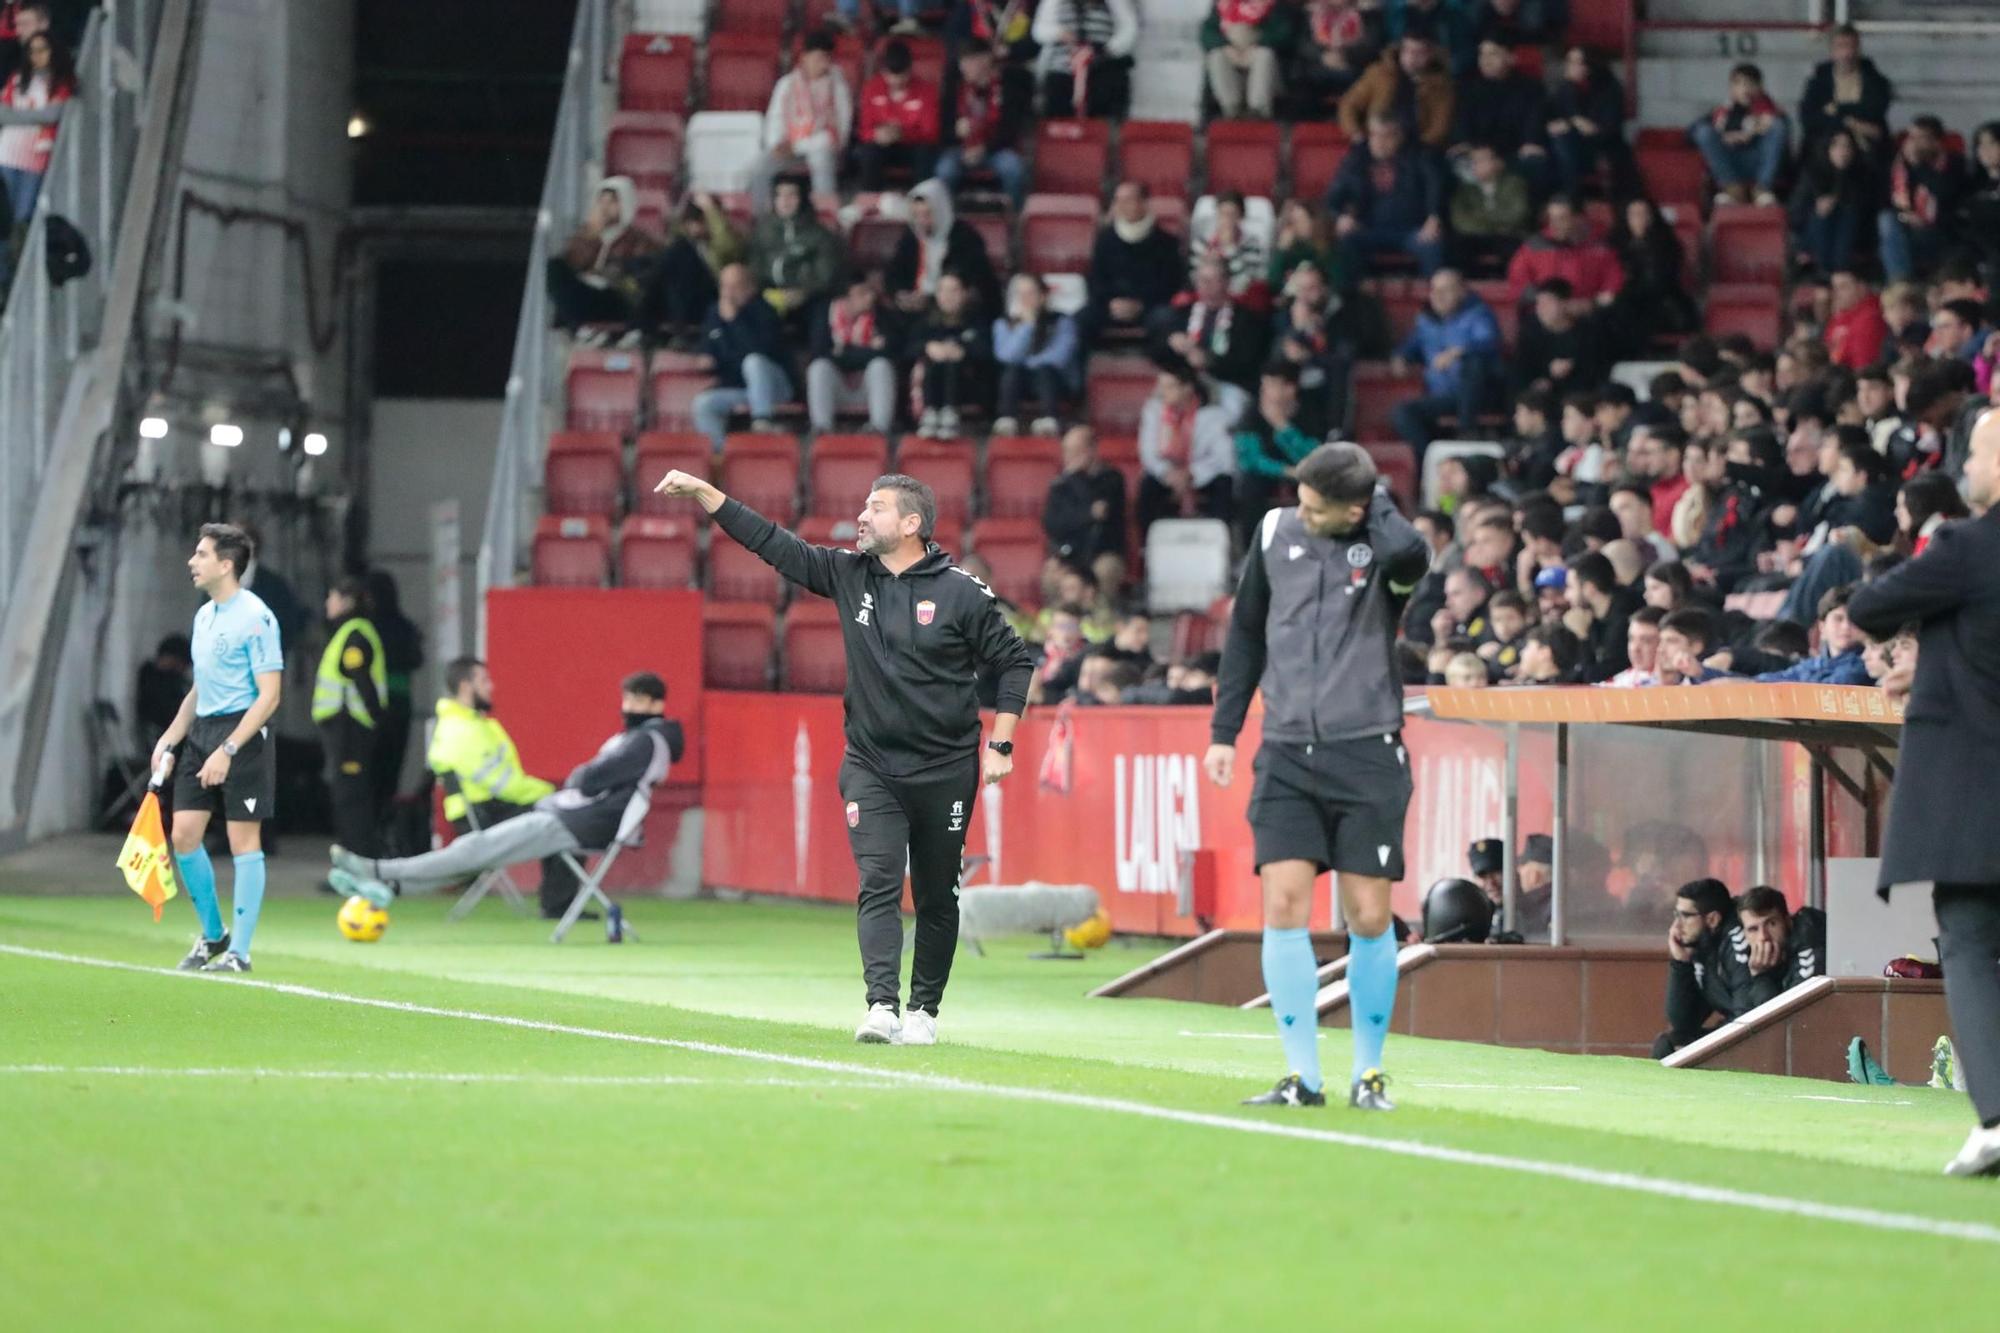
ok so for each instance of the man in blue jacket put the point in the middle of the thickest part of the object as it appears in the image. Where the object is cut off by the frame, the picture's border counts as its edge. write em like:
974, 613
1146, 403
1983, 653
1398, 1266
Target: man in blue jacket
1457, 342
1388, 197
745, 347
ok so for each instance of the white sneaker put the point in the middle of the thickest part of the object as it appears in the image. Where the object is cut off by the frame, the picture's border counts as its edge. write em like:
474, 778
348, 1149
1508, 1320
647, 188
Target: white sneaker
881, 1027
1007, 426
1979, 1157
1765, 199
927, 424
919, 1029
947, 423
1045, 426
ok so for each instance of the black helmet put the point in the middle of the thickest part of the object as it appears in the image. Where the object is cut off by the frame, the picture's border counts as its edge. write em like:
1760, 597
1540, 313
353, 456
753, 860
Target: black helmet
1456, 911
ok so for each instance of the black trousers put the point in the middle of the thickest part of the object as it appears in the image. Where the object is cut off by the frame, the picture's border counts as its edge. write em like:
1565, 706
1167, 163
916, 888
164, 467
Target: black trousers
922, 820
1968, 917
1157, 502
357, 809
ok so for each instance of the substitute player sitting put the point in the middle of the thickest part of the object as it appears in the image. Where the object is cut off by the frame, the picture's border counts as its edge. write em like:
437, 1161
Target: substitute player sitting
1315, 627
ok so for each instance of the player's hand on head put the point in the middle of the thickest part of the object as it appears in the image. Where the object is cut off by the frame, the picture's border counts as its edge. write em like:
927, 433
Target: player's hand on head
1220, 764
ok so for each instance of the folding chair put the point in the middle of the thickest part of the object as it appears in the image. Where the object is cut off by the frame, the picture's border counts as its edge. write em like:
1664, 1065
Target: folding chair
499, 879
590, 885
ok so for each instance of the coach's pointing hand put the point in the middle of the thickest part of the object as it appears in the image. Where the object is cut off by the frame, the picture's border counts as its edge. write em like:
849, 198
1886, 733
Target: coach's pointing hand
685, 484
1220, 764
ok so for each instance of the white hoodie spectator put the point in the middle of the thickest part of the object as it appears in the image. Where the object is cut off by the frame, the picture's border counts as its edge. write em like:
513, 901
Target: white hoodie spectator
809, 120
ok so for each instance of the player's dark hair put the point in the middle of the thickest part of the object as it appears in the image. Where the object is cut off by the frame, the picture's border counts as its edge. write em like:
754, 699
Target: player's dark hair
1342, 473
231, 543
1707, 895
645, 683
912, 497
458, 671
1764, 900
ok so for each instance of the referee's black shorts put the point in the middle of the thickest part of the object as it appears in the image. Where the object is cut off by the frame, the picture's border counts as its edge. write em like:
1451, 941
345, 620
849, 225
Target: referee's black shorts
1337, 804
249, 794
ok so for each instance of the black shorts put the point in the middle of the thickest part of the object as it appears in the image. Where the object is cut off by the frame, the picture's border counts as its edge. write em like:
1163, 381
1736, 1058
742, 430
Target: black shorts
250, 792
1337, 804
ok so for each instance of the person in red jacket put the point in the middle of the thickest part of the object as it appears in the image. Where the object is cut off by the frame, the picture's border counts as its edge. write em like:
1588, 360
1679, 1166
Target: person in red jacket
899, 121
1567, 249
1855, 333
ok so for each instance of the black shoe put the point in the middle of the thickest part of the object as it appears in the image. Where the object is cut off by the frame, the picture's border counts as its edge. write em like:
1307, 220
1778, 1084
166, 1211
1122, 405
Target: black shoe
1290, 1091
204, 950
1371, 1092
229, 962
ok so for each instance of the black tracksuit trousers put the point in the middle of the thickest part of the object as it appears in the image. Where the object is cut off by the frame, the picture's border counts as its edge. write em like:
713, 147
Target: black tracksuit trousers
921, 820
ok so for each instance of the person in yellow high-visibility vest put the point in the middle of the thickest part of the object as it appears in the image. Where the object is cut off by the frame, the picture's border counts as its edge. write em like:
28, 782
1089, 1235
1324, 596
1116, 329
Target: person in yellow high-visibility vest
349, 696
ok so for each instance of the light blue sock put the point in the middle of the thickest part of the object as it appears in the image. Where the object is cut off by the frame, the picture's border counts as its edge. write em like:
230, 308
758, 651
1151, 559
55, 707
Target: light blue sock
198, 876
1292, 977
248, 892
1371, 995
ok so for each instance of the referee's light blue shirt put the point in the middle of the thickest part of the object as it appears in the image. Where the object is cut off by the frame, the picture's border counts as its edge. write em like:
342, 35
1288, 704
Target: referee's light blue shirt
233, 642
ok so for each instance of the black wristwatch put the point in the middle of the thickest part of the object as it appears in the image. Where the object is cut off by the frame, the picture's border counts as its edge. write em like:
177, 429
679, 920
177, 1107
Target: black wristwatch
1001, 747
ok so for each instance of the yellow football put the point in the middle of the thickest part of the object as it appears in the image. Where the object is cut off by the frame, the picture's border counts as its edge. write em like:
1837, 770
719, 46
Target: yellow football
362, 921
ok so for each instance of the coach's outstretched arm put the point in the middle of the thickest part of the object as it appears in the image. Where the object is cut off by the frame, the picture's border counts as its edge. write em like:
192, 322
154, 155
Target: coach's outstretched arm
1242, 667
809, 566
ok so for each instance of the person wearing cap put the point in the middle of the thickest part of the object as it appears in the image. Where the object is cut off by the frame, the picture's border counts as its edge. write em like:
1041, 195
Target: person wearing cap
1533, 878
1185, 447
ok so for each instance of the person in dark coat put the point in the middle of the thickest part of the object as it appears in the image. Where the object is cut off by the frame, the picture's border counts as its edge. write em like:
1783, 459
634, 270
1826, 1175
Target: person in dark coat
1135, 267
1084, 517
1940, 825
1847, 93
938, 240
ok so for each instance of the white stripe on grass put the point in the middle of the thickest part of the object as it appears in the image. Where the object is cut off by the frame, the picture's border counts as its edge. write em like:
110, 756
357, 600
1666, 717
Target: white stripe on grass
437, 1076
1874, 1219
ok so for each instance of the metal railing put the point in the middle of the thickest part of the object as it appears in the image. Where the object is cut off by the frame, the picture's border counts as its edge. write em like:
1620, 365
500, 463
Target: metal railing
531, 383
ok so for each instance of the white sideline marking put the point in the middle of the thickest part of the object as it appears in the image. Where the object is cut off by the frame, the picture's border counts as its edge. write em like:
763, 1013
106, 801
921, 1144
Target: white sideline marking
1873, 1219
435, 1076
1851, 1101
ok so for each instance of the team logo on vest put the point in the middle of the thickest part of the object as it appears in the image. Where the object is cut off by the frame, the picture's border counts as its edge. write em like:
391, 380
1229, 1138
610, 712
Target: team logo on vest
867, 605
1359, 557
854, 814
926, 612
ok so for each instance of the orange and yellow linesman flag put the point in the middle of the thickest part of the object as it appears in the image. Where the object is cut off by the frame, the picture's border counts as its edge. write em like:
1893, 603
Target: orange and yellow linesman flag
146, 859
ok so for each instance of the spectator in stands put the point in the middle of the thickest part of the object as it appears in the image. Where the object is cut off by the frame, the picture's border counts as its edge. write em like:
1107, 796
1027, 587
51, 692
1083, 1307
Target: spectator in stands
1838, 661
681, 286
1652, 300
1220, 337
1489, 549
1086, 60
1687, 637
1566, 248
848, 15
19, 22
1466, 672
1457, 342
600, 276
955, 356
1923, 196
1743, 141
1503, 109
1060, 660
1835, 196
1542, 530
1269, 445
1979, 204
1305, 236
795, 258
899, 120
1246, 40
1004, 27
1388, 199
1587, 125
1186, 447
1938, 408
1519, 22
1331, 53
981, 117
1856, 332
1958, 331
46, 78
1409, 85
1304, 337
1463, 615
1908, 318
1134, 266
1084, 517
936, 241
1507, 632
1491, 212
1875, 399
1847, 93
1926, 503
1642, 649
1131, 641
1036, 350
1558, 352
1600, 616
742, 343
1656, 455
855, 343
1551, 656
1633, 504
1240, 253
809, 120
1668, 586
1531, 455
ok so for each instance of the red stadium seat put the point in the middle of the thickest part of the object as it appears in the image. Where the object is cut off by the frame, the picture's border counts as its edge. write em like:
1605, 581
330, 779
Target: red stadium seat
664, 451
1660, 136
762, 18
1014, 549
1171, 213
1600, 25
1506, 312
1317, 150
1397, 464
814, 660
1159, 154
1749, 244
677, 378
1071, 157
742, 70
1243, 156
1018, 472
572, 552
736, 574
1673, 175
841, 468
1122, 452
822, 530
1198, 632
656, 553
1403, 299
737, 638
1057, 232
584, 473
1686, 223
763, 472
601, 390
655, 72
1748, 308
645, 145
996, 230
872, 243
1117, 387
946, 466
1377, 391
950, 536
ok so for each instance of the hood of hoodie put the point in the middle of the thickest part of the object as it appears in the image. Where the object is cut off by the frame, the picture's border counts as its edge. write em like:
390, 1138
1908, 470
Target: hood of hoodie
934, 193
628, 205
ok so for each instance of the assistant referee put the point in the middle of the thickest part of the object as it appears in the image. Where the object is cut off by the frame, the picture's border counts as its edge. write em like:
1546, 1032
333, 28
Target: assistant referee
918, 632
1315, 626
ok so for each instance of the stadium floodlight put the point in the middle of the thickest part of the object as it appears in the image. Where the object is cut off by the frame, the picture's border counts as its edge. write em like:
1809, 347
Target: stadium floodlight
284, 439
153, 428
358, 126
315, 444
225, 434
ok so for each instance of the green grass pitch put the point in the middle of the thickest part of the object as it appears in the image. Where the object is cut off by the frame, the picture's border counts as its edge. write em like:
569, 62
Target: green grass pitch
681, 1134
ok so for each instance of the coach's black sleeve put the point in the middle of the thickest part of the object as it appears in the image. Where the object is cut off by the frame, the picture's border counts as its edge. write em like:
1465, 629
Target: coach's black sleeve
811, 567
1242, 652
1001, 654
